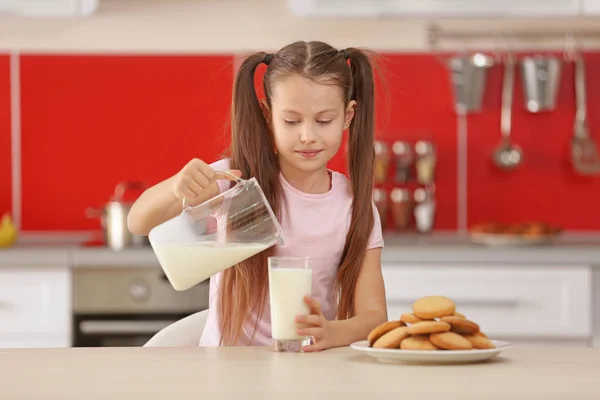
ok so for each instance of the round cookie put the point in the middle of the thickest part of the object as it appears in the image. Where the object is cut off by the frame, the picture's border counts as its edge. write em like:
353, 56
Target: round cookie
417, 343
480, 341
379, 330
459, 315
450, 341
431, 307
426, 327
391, 339
461, 325
409, 318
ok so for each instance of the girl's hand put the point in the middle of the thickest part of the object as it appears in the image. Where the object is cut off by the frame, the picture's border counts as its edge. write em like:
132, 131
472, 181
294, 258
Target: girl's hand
317, 326
194, 178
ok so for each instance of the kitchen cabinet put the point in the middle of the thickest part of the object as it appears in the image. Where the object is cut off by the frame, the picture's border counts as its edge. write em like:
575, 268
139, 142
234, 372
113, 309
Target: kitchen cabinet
591, 7
528, 303
596, 307
35, 306
446, 8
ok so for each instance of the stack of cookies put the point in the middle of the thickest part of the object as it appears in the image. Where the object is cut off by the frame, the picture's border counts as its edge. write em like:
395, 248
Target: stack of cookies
434, 324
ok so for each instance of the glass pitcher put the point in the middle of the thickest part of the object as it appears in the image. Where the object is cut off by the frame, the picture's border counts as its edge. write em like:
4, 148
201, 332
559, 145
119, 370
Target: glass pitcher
215, 235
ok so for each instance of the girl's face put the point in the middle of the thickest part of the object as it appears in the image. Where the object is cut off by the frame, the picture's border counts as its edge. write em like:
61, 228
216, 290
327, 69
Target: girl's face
307, 120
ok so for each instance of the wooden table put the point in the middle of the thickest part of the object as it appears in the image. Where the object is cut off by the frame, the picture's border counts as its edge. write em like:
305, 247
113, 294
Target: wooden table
245, 373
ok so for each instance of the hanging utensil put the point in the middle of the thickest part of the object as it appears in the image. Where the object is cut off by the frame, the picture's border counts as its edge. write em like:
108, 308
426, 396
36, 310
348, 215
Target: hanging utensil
584, 153
541, 80
507, 155
469, 75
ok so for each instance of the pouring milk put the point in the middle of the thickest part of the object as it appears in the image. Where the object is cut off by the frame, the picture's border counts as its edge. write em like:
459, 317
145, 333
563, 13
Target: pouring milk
187, 264
215, 235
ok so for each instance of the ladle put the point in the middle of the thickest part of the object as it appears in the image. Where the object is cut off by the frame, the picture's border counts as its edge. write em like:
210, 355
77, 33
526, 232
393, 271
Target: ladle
507, 155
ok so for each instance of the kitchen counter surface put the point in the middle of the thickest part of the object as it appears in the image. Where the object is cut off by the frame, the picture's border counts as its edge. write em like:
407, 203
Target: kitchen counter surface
422, 249
458, 249
257, 373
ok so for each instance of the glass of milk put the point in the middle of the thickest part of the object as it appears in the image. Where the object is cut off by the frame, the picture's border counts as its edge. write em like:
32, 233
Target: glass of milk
290, 279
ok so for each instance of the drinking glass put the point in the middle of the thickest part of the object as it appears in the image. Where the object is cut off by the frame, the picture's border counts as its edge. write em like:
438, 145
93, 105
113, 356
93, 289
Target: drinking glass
290, 280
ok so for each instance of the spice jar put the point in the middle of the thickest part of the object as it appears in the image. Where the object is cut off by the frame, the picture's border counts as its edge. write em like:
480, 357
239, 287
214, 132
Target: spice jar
404, 159
380, 199
402, 205
424, 209
426, 162
382, 161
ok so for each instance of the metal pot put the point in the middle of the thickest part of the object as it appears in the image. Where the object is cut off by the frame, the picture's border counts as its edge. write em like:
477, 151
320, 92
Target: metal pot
113, 218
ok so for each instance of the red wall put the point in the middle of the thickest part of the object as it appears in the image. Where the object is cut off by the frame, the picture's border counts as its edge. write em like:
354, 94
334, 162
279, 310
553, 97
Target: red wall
5, 142
545, 187
89, 122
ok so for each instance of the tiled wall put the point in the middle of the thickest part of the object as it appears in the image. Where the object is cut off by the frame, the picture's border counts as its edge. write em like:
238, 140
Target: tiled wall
89, 122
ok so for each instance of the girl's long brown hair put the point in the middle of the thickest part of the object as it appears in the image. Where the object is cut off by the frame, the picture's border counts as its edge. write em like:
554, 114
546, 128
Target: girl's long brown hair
244, 288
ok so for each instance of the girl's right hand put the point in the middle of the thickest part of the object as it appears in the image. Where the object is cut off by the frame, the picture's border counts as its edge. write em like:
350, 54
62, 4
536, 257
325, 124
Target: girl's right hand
193, 179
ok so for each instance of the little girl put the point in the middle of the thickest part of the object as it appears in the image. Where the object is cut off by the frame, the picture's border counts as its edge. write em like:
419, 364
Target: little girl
313, 94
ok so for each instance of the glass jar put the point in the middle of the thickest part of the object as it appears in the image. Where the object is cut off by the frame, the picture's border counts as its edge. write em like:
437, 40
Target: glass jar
402, 205
426, 162
382, 161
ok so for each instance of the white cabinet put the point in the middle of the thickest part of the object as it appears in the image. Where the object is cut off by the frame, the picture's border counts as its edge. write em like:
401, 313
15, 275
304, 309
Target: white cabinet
433, 8
49, 8
596, 308
529, 302
591, 7
35, 307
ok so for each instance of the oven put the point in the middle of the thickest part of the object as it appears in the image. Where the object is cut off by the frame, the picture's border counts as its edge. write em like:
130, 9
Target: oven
126, 306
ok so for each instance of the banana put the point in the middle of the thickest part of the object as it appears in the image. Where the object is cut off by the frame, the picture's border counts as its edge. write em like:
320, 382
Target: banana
8, 231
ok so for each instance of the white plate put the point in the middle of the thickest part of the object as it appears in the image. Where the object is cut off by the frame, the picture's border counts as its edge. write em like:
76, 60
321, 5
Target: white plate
494, 239
429, 356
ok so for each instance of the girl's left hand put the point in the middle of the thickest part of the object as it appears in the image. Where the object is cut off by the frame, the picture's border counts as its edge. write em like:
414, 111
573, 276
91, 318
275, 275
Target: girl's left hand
317, 326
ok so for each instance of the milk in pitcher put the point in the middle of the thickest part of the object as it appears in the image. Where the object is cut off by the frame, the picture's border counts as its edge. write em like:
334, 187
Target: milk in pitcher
187, 264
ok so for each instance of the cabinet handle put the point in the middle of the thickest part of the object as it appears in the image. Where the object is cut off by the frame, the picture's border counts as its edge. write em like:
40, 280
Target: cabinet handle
123, 327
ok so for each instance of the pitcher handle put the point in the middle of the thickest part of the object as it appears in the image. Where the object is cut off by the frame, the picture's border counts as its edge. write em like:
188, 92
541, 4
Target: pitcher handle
228, 174
223, 173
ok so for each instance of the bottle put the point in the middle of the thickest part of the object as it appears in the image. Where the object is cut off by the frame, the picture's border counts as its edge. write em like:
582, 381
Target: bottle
424, 209
382, 161
404, 160
402, 206
426, 162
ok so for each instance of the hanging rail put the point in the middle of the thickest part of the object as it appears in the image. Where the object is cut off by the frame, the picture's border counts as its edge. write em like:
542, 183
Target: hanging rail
435, 34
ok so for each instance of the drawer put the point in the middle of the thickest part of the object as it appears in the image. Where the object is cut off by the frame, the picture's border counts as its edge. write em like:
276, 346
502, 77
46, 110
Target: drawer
34, 300
526, 301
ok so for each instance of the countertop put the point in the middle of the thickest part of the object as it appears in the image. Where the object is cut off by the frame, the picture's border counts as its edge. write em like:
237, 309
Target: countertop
439, 248
257, 373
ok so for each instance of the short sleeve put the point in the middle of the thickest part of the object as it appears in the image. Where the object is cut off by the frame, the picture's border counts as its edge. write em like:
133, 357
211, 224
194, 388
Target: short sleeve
376, 239
222, 165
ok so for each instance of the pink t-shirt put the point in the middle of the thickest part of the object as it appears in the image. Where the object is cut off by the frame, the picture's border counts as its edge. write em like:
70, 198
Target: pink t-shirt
314, 225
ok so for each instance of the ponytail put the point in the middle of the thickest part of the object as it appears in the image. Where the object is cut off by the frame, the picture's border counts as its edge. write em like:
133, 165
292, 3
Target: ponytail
361, 158
251, 137
243, 290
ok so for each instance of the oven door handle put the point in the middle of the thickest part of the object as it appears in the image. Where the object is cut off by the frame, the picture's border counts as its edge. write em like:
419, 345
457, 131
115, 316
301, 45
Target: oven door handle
108, 327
